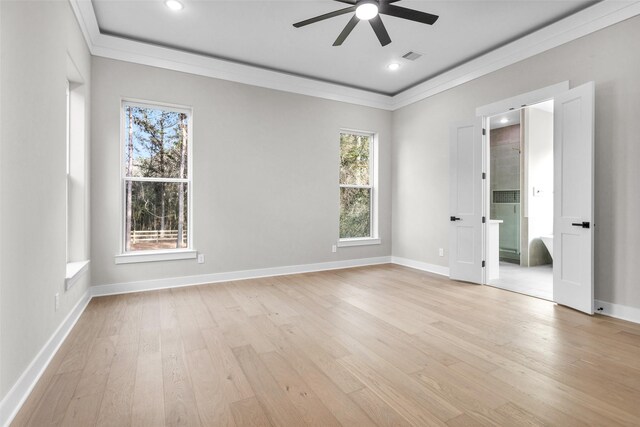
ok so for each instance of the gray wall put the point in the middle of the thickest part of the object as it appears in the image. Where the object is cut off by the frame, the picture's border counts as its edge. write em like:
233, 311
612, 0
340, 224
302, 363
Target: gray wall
265, 173
35, 38
420, 161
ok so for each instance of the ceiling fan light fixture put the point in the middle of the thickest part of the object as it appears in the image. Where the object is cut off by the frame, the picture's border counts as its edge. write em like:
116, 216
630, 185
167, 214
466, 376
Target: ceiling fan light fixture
366, 10
174, 5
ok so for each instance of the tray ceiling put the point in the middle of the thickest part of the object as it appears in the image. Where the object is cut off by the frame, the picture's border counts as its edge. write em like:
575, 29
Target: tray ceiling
260, 33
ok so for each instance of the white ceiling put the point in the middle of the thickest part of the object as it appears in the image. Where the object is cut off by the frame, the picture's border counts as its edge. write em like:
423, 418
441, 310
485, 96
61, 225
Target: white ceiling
260, 33
513, 117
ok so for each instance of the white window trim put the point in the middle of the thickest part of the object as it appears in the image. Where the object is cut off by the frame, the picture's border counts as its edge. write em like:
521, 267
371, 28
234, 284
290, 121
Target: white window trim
75, 270
373, 238
68, 176
156, 255
77, 262
360, 241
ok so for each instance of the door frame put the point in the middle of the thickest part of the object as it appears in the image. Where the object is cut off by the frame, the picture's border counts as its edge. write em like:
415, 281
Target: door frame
499, 107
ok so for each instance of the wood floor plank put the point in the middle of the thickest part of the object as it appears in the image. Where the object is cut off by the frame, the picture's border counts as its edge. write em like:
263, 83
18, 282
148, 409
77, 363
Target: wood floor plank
339, 403
151, 311
345, 380
208, 390
53, 405
168, 315
87, 398
115, 408
311, 408
179, 401
378, 409
550, 412
189, 329
277, 406
376, 371
88, 328
235, 384
148, 394
249, 413
382, 345
246, 298
408, 406
520, 417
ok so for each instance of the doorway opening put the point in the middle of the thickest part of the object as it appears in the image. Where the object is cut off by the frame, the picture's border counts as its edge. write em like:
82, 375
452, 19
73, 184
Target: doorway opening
520, 197
474, 252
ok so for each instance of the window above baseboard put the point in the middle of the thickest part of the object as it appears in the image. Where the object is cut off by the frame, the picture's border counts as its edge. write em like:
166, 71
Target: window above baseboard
75, 270
363, 241
153, 256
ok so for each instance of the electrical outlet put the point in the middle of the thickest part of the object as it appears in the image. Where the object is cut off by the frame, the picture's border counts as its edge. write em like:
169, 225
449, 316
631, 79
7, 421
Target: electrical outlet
334, 248
441, 251
57, 300
200, 258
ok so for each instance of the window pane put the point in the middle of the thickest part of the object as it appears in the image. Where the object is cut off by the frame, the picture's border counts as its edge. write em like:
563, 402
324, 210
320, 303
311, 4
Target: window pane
355, 212
155, 143
354, 159
154, 215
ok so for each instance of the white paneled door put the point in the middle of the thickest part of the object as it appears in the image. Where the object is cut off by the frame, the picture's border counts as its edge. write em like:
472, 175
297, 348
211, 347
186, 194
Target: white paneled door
465, 203
573, 198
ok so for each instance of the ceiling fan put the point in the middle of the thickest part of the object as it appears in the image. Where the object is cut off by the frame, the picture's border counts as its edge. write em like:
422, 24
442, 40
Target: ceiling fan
370, 10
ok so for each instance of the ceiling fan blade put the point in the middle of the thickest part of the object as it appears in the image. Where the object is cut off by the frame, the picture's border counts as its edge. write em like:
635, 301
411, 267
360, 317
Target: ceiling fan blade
349, 1
346, 31
380, 30
410, 14
325, 16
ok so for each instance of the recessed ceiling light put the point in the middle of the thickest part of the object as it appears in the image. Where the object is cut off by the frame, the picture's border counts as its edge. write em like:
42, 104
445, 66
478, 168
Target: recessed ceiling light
504, 120
367, 9
174, 4
393, 66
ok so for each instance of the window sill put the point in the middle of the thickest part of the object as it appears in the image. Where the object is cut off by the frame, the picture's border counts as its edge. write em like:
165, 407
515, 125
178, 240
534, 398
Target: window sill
153, 256
345, 243
75, 270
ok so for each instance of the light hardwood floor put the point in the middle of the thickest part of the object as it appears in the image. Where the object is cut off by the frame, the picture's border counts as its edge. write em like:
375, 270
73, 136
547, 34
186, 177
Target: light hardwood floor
383, 345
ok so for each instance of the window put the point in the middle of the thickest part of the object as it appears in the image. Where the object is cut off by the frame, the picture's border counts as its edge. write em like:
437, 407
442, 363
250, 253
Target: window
156, 173
357, 189
77, 212
68, 160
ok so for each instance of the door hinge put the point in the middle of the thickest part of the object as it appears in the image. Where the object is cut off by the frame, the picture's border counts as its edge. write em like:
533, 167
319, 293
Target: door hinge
483, 264
484, 175
484, 131
484, 219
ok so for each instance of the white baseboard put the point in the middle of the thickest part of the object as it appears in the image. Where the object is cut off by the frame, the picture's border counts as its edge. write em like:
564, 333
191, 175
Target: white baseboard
619, 311
15, 398
419, 265
176, 282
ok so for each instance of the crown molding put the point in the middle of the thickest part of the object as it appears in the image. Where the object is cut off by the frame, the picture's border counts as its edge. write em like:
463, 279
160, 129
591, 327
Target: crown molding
587, 21
119, 48
594, 18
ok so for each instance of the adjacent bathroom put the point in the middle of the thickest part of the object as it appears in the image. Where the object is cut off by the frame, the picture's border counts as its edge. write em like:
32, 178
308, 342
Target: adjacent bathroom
521, 199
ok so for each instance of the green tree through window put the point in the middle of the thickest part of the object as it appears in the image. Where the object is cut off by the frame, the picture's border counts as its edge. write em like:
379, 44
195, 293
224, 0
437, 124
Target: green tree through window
156, 177
356, 185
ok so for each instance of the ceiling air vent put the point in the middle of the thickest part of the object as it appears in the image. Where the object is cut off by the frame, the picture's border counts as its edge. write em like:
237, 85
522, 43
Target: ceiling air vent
412, 56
